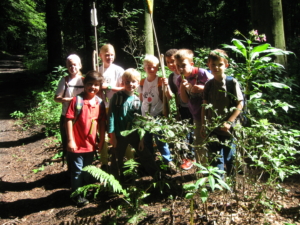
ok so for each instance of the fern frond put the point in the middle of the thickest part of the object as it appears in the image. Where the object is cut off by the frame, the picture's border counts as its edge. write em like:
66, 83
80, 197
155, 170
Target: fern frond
105, 178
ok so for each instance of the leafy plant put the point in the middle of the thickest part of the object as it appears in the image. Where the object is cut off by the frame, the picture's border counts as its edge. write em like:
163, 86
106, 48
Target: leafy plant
42, 168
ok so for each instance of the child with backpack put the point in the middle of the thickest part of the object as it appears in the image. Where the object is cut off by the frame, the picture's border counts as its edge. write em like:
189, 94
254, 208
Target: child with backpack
123, 105
183, 112
150, 90
85, 116
217, 92
68, 87
190, 91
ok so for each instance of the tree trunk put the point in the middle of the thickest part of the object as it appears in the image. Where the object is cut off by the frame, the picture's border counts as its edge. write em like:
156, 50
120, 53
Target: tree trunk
278, 30
54, 42
149, 43
267, 18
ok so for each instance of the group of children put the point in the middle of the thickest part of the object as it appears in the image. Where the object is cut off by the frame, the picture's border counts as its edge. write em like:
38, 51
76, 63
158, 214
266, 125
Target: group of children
84, 113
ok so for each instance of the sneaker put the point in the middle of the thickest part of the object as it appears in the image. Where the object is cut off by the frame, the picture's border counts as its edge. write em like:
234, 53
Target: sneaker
80, 201
187, 164
172, 167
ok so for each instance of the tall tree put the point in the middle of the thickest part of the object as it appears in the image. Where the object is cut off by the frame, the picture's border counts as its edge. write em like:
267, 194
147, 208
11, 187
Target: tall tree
267, 17
149, 43
54, 41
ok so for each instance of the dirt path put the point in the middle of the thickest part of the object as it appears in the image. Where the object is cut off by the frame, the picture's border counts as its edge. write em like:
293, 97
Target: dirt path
34, 191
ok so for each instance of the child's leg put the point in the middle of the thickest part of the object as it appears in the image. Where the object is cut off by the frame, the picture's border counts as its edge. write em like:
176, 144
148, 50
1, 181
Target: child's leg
146, 157
64, 140
117, 157
163, 149
78, 161
201, 153
228, 155
88, 159
148, 142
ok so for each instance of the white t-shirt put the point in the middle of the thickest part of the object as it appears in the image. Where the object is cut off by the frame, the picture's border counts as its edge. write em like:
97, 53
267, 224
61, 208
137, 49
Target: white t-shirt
113, 77
151, 101
75, 88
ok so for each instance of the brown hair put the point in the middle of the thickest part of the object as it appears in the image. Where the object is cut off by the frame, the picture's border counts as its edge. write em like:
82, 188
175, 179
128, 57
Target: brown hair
183, 54
217, 54
93, 76
171, 52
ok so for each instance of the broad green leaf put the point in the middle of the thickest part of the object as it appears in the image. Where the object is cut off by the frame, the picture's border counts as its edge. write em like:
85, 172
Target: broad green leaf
127, 132
201, 182
277, 85
141, 133
189, 187
204, 195
256, 95
240, 46
189, 195
223, 184
211, 181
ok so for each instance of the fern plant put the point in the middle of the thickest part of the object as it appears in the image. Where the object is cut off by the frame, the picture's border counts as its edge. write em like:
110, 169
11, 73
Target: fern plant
107, 182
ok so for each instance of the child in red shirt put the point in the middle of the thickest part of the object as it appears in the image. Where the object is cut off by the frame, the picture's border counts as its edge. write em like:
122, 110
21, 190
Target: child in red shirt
82, 128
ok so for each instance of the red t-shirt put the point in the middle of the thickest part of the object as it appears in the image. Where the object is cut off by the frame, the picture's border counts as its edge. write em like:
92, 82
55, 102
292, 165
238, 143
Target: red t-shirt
86, 126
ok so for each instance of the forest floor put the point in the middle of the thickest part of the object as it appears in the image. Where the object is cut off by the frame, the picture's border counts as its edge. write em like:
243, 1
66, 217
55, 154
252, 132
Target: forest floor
34, 190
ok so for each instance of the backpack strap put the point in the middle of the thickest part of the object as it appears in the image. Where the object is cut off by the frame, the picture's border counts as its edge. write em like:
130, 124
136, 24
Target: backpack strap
230, 85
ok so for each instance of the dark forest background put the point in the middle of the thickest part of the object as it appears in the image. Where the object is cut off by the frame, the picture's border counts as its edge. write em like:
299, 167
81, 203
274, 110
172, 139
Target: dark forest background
49, 30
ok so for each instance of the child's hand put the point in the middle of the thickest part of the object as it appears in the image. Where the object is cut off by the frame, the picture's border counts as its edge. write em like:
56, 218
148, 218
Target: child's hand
186, 84
71, 146
226, 126
197, 89
166, 81
113, 140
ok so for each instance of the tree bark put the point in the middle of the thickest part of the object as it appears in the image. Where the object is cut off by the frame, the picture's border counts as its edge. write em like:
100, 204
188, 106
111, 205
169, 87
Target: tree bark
267, 18
149, 43
54, 41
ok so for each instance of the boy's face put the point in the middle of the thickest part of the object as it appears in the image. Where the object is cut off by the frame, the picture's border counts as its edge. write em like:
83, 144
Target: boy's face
170, 60
130, 85
151, 69
73, 67
91, 88
184, 67
107, 57
217, 67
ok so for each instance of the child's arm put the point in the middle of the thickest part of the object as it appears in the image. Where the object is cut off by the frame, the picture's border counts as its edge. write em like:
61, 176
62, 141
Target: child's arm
197, 88
113, 139
184, 87
227, 124
101, 130
60, 99
106, 86
71, 141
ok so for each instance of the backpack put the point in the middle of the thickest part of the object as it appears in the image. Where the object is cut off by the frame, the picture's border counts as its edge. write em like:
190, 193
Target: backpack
79, 104
230, 86
67, 78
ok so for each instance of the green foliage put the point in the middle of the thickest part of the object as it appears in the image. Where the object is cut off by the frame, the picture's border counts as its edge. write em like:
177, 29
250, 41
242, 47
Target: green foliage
42, 168
44, 110
130, 167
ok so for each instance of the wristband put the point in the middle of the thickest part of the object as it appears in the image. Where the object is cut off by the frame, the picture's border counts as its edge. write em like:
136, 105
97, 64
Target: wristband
108, 87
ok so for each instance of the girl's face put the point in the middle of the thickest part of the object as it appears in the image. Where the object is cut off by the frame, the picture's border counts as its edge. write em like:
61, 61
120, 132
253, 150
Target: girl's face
73, 67
107, 57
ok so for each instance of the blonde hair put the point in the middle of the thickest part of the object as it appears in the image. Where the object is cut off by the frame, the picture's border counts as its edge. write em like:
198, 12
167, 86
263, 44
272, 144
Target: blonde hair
76, 58
183, 54
150, 59
106, 48
131, 74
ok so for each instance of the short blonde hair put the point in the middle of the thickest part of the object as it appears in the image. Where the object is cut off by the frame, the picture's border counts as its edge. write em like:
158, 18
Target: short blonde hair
106, 48
183, 54
150, 59
131, 74
75, 58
